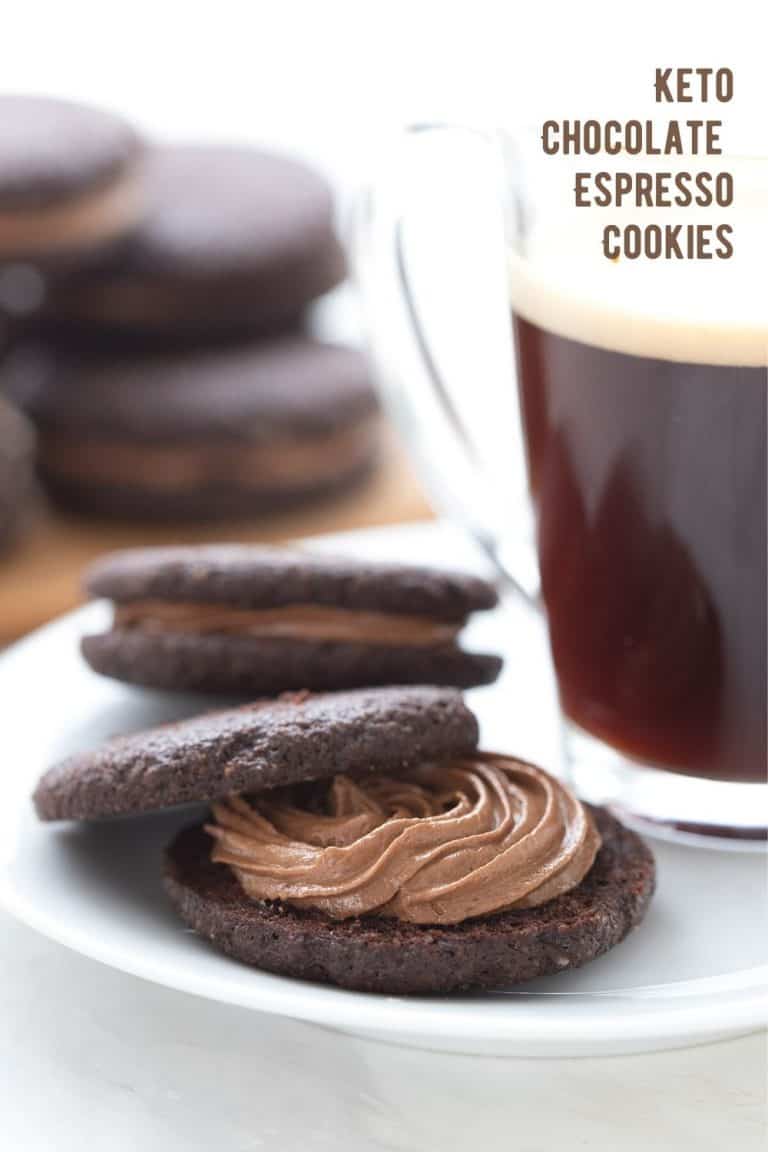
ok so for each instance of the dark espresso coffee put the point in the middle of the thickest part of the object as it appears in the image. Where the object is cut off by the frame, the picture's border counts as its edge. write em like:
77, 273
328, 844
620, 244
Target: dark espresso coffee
648, 474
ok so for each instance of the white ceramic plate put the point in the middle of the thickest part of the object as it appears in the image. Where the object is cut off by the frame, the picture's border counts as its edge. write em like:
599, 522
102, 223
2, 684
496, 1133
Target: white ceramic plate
694, 971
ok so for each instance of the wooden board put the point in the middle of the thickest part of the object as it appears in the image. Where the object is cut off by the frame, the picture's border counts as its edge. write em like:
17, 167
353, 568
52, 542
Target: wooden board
41, 578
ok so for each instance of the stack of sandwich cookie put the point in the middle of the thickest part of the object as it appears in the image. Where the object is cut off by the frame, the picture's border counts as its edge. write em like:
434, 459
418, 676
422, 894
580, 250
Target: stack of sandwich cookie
69, 191
250, 620
180, 383
361, 839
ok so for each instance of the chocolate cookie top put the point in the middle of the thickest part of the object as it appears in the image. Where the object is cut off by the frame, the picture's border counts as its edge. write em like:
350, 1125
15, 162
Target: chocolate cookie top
215, 210
252, 391
272, 742
53, 150
251, 576
232, 237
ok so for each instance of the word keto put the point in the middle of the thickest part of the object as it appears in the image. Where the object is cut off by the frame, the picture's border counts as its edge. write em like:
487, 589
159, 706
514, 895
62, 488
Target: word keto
715, 81
655, 189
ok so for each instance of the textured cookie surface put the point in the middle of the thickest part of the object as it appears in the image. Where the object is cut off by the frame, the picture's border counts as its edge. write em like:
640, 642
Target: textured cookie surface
250, 576
373, 954
232, 239
259, 746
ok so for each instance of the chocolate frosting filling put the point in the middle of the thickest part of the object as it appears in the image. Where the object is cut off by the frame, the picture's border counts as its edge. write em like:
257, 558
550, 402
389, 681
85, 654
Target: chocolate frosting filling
447, 842
295, 621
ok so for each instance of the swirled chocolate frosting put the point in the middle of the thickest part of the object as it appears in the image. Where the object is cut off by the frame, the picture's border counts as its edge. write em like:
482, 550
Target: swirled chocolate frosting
446, 842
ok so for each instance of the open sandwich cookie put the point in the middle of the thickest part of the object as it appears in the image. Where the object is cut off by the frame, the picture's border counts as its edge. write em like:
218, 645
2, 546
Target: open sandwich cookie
361, 839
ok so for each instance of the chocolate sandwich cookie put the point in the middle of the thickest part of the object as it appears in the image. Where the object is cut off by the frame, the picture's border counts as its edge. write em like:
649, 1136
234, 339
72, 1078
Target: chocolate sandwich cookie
16, 472
245, 619
272, 742
211, 434
69, 178
361, 839
233, 240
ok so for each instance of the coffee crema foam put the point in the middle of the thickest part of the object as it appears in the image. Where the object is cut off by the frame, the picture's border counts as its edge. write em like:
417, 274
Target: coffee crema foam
687, 311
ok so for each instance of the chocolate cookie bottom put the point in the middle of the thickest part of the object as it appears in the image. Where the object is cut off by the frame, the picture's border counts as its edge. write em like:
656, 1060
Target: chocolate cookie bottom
254, 666
373, 954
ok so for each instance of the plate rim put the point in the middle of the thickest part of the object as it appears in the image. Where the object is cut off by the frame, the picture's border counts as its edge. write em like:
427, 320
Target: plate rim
693, 1017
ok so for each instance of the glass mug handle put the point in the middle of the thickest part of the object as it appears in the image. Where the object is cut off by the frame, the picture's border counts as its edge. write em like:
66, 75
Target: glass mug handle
455, 399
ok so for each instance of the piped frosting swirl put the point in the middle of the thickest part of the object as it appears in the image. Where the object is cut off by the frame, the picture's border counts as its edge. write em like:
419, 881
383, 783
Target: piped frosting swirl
445, 843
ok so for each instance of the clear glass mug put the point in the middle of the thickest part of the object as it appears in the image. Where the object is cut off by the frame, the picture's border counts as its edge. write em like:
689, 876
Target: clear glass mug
610, 457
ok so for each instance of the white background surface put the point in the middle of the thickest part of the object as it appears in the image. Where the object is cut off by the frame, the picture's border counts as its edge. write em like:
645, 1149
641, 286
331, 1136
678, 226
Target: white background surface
332, 78
88, 1056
